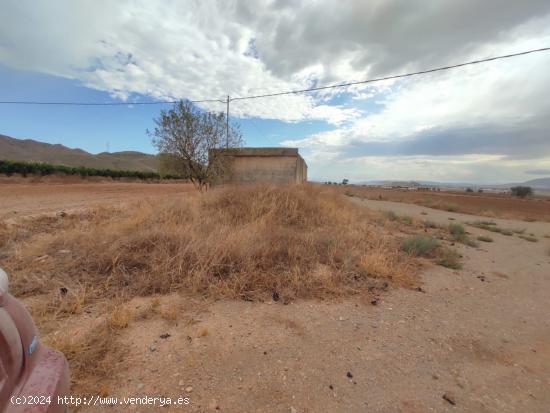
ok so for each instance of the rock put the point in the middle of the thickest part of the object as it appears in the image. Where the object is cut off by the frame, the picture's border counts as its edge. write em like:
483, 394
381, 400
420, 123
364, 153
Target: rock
374, 302
140, 386
449, 397
64, 251
189, 389
164, 335
349, 375
152, 348
214, 405
181, 383
275, 296
293, 410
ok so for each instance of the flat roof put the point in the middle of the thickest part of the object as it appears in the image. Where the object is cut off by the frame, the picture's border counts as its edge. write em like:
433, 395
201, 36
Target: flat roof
259, 151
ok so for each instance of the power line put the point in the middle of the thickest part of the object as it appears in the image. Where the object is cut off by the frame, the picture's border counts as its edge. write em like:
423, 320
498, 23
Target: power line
379, 79
157, 102
289, 92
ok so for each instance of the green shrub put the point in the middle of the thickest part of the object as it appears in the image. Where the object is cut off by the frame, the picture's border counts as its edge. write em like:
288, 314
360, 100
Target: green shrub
458, 234
449, 259
484, 238
469, 190
451, 207
521, 191
419, 245
38, 168
457, 230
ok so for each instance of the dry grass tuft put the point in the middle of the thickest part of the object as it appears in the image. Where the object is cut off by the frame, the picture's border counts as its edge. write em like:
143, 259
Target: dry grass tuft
91, 352
237, 242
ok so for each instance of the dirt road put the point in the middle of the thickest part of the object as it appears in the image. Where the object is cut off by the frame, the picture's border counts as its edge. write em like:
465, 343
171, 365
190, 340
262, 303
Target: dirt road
26, 199
474, 340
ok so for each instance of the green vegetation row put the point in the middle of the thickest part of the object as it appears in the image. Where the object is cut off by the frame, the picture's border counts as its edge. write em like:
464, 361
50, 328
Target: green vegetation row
39, 168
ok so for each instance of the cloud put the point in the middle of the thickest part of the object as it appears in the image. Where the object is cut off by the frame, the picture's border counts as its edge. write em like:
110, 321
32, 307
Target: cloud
538, 172
137, 49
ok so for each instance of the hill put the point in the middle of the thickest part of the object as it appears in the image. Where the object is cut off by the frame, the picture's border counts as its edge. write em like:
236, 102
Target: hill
35, 151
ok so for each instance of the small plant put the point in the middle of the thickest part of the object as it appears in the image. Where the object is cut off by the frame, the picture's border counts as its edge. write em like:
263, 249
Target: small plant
419, 245
484, 238
423, 213
449, 259
451, 207
518, 231
521, 191
458, 234
490, 226
391, 216
407, 220
457, 230
430, 224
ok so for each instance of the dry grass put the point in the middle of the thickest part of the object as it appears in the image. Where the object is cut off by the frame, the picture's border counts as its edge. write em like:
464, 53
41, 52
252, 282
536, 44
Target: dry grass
238, 243
91, 352
244, 243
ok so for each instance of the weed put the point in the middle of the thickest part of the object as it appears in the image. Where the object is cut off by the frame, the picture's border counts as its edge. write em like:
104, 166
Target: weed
484, 238
91, 352
430, 224
407, 220
391, 216
419, 245
226, 243
451, 207
490, 227
458, 234
450, 259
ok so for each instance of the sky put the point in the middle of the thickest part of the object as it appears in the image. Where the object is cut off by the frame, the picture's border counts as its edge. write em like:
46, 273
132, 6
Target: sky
487, 123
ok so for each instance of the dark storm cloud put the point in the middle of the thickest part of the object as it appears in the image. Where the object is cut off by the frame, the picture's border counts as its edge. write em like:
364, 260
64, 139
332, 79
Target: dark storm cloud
383, 36
538, 172
515, 143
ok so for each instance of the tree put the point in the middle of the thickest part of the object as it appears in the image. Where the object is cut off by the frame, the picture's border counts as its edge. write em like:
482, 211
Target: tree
345, 181
187, 134
521, 191
469, 190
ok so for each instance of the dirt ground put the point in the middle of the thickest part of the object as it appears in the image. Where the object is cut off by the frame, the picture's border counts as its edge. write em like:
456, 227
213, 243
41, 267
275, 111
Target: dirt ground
470, 340
23, 198
473, 340
486, 204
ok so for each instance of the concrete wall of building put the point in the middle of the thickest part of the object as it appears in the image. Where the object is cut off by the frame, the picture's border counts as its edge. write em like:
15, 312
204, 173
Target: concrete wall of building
250, 165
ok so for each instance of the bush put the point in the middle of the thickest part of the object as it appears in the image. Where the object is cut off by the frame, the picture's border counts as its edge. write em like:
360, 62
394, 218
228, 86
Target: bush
450, 259
419, 245
457, 231
469, 190
38, 168
521, 191
458, 234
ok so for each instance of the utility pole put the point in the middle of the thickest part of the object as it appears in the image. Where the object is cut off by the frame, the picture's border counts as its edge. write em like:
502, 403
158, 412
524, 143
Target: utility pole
227, 124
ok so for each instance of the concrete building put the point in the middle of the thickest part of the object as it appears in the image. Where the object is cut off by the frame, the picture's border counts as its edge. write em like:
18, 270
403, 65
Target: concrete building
250, 165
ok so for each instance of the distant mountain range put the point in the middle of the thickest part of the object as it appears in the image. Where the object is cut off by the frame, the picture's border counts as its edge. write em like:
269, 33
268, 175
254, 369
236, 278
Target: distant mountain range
540, 183
34, 151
